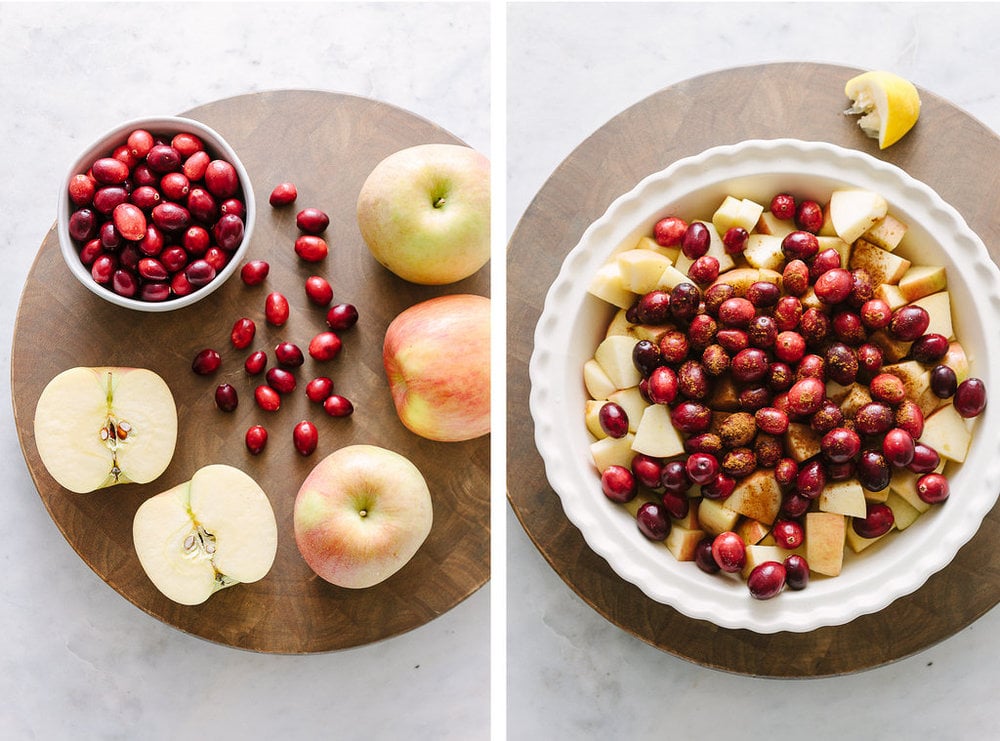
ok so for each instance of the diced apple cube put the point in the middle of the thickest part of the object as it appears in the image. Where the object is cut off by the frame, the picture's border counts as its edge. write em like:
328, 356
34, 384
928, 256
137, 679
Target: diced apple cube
672, 277
592, 418
715, 517
893, 350
758, 496
759, 553
682, 542
610, 451
855, 211
598, 385
891, 295
640, 270
904, 514
615, 357
771, 224
957, 360
607, 286
825, 536
882, 266
740, 279
764, 251
801, 441
619, 324
648, 243
857, 397
938, 307
752, 531
922, 280
737, 212
887, 233
948, 433
690, 520
651, 332
656, 434
843, 497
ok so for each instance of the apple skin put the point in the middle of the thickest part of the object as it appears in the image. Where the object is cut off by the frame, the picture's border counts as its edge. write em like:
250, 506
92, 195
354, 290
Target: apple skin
437, 360
424, 213
360, 515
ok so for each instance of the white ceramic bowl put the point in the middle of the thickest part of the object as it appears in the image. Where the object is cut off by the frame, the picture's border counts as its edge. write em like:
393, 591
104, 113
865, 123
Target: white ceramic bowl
573, 323
166, 126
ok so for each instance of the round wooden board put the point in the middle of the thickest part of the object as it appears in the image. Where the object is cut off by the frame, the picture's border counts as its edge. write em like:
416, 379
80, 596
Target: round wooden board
326, 144
947, 149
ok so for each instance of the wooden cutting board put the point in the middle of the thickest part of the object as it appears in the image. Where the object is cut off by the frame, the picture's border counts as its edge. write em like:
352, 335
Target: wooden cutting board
326, 144
948, 150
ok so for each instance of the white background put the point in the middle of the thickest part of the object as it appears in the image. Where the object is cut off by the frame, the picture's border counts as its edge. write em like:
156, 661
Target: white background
78, 660
572, 674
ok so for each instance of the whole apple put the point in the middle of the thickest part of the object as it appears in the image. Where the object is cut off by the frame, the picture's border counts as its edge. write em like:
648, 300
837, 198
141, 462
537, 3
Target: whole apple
437, 359
424, 213
361, 515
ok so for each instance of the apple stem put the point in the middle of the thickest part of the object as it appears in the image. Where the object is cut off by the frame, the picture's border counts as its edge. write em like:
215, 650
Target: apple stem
439, 202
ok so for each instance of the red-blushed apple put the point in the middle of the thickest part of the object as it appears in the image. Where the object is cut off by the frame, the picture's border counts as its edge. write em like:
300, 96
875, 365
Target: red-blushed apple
437, 359
96, 427
424, 213
211, 532
361, 515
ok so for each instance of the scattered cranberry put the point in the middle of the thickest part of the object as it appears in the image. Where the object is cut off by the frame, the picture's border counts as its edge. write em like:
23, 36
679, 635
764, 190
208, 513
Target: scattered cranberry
783, 206
341, 317
325, 346
338, 406
766, 580
288, 354
256, 439
226, 397
653, 521
283, 194
276, 309
254, 272
318, 290
312, 221
255, 362
613, 420
267, 398
206, 362
242, 333
669, 231
932, 488
970, 397
311, 248
305, 436
729, 551
281, 380
318, 389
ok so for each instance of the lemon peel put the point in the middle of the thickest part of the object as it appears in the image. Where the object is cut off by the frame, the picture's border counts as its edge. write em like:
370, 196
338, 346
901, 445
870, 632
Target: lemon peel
889, 105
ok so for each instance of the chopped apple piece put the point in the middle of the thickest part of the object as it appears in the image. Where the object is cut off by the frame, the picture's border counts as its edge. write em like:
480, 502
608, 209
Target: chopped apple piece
737, 212
938, 307
683, 542
922, 280
957, 360
948, 433
836, 393
857, 397
826, 228
615, 357
632, 403
672, 277
607, 286
764, 251
724, 395
648, 243
855, 211
598, 385
877, 496
843, 497
802, 442
771, 224
758, 496
740, 279
752, 531
904, 485
592, 418
887, 233
640, 270
651, 332
656, 434
825, 536
882, 266
904, 514
891, 295
619, 324
770, 276
715, 517
893, 350
759, 553
610, 451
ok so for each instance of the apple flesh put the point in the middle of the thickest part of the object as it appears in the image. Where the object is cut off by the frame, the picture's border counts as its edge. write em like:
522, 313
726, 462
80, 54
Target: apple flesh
211, 532
97, 427
361, 514
436, 356
424, 213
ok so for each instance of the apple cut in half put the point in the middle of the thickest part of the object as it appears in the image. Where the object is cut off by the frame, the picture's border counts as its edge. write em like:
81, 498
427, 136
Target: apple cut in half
211, 532
96, 427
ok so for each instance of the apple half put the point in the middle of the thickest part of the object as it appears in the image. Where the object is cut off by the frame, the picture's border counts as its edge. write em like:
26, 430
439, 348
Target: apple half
361, 514
209, 533
96, 427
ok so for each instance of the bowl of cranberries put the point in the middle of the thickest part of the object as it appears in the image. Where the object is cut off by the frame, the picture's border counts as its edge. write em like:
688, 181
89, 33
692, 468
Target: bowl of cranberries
156, 214
760, 385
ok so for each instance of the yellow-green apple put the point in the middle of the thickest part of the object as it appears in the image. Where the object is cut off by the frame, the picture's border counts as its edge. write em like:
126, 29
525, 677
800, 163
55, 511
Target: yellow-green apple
437, 359
424, 213
211, 532
361, 514
96, 427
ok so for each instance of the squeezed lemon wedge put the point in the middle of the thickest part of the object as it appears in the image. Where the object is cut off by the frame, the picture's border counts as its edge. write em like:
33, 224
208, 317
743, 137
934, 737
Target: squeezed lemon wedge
889, 105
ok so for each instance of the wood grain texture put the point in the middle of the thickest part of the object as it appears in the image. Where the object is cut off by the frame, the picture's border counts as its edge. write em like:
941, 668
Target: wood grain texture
326, 144
948, 150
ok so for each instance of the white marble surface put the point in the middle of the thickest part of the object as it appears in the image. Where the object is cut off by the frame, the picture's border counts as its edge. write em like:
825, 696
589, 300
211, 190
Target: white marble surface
78, 660
570, 672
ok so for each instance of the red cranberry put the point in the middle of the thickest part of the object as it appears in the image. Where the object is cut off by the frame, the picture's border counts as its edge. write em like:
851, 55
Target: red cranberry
669, 231
887, 388
612, 418
729, 551
811, 479
809, 216
647, 470
877, 521
763, 294
338, 406
806, 396
789, 346
226, 397
786, 471
646, 357
685, 299
305, 437
281, 380
267, 398
311, 248
795, 277
932, 488
221, 179
970, 397
910, 418
840, 445
702, 468
675, 478
255, 362
704, 270
276, 309
341, 317
847, 326
873, 418
283, 194
691, 417
653, 521
654, 307
288, 354
736, 312
324, 346
766, 580
929, 348
696, 240
944, 382
783, 206
875, 314
662, 386
256, 439
206, 362
800, 245
242, 333
734, 241
312, 221
719, 488
318, 290
749, 365
833, 286
898, 447
925, 459
787, 313
841, 364
788, 534
771, 421
703, 557
796, 572
907, 323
